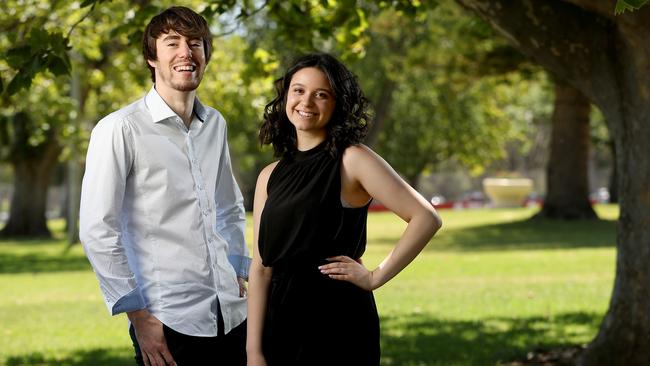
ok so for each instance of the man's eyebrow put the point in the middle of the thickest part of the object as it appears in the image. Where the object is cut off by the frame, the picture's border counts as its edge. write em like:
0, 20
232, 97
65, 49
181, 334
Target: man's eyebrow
171, 37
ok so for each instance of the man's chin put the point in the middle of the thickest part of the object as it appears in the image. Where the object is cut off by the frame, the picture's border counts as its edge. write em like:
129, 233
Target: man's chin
186, 87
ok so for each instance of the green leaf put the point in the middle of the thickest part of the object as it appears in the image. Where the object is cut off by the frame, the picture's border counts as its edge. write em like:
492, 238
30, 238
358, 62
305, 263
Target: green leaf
22, 80
89, 2
36, 64
58, 43
38, 38
19, 56
635, 3
628, 5
58, 65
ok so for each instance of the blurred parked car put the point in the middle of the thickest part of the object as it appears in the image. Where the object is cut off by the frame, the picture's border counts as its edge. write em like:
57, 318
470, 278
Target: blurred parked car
601, 195
472, 199
534, 199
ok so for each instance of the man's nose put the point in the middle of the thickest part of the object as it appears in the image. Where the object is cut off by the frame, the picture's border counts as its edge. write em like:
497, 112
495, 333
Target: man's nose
185, 50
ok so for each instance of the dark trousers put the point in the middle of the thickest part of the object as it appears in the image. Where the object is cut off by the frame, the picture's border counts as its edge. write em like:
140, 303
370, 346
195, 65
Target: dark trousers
224, 349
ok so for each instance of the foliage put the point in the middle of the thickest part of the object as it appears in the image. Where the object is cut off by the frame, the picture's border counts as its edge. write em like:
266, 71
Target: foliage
431, 56
456, 91
628, 5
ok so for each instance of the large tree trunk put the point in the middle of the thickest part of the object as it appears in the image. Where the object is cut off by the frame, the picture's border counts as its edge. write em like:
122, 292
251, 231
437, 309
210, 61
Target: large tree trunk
33, 167
567, 193
607, 58
613, 177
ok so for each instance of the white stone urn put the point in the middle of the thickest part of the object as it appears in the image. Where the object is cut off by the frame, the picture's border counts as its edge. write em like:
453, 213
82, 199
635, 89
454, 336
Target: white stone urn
507, 192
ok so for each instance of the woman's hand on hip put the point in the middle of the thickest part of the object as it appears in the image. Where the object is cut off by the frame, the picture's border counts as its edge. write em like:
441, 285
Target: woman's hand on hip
344, 268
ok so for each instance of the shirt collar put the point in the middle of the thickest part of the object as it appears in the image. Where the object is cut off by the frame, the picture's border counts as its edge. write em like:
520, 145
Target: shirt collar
160, 111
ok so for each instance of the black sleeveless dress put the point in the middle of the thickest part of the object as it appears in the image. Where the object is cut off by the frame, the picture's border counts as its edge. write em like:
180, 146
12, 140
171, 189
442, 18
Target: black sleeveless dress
311, 319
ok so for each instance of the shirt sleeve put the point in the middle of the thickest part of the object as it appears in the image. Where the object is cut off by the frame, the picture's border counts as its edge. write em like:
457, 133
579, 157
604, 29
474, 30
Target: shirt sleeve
230, 214
108, 164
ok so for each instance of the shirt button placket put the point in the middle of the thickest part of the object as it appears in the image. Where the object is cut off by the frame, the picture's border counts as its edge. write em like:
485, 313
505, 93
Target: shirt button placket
204, 205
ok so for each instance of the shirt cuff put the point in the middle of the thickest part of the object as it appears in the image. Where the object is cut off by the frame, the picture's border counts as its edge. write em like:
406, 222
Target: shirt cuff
130, 302
241, 264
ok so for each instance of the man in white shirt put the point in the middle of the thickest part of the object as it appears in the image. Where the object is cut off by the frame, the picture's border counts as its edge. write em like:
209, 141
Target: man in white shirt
162, 218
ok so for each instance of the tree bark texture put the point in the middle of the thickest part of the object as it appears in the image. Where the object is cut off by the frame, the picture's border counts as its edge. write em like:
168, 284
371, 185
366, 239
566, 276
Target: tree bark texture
613, 178
33, 167
567, 195
607, 58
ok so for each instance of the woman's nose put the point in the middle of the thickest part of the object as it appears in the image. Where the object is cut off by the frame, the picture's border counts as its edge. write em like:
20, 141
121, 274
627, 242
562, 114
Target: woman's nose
307, 100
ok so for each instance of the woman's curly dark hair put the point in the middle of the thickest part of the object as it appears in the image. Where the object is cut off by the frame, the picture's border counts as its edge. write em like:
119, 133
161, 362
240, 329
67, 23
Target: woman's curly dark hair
348, 124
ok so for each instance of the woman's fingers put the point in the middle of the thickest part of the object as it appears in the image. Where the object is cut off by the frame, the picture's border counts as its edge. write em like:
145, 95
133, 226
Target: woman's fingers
347, 269
341, 258
340, 264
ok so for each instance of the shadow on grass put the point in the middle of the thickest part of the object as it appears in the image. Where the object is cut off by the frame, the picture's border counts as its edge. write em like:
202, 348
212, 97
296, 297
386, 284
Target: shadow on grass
420, 340
96, 357
40, 263
38, 256
524, 234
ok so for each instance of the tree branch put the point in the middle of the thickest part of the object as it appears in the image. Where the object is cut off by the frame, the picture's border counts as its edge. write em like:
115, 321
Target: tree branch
574, 44
79, 21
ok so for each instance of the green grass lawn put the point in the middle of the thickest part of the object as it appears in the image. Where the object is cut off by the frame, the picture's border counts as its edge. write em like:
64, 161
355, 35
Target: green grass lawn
489, 287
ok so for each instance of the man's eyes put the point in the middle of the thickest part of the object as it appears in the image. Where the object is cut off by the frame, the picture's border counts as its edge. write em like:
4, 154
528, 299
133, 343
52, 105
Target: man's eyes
195, 44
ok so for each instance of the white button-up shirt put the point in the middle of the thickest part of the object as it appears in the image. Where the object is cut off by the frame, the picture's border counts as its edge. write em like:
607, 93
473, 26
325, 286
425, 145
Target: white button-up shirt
162, 218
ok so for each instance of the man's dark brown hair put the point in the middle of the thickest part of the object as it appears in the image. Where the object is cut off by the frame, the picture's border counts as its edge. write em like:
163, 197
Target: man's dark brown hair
182, 20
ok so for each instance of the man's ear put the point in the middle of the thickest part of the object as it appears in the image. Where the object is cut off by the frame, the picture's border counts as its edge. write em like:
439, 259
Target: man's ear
152, 63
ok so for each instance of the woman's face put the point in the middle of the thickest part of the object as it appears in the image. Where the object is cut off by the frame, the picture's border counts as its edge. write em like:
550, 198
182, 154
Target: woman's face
310, 101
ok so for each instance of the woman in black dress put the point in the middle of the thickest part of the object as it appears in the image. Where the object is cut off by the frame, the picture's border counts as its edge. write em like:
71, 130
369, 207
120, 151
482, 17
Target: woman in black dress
310, 297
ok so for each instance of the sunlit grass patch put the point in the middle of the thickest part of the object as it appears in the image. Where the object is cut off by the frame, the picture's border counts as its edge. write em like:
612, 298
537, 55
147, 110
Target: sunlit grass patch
490, 286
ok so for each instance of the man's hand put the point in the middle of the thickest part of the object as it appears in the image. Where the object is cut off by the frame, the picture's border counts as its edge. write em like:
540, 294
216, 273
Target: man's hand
151, 339
242, 287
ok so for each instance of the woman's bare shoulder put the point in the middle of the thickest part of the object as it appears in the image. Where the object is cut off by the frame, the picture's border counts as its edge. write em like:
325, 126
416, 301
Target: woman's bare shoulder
266, 172
358, 151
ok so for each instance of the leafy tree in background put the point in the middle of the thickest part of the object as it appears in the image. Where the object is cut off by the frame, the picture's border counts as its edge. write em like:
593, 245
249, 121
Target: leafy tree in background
606, 58
46, 111
433, 80
31, 120
580, 41
436, 55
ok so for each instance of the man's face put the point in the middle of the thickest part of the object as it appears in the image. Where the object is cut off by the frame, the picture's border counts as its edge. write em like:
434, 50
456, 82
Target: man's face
180, 64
